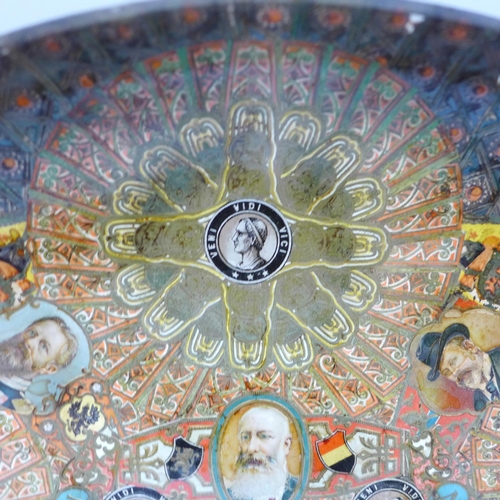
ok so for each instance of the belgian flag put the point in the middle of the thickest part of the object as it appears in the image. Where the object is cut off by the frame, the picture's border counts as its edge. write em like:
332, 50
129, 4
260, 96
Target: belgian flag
335, 453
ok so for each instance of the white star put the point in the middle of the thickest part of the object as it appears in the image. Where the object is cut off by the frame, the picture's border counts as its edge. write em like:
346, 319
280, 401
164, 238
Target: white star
264, 273
235, 274
250, 277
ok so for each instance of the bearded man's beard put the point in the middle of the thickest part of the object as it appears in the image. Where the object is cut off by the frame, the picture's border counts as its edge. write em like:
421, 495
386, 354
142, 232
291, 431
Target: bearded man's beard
258, 475
15, 358
471, 377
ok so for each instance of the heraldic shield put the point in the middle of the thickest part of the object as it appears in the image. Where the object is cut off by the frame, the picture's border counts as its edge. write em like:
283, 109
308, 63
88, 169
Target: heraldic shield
335, 453
185, 459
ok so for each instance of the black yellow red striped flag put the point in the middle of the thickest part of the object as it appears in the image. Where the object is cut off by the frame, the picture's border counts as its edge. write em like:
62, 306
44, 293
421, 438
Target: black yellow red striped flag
335, 453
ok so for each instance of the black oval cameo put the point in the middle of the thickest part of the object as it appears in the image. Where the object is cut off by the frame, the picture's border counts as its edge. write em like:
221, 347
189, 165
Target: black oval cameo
249, 241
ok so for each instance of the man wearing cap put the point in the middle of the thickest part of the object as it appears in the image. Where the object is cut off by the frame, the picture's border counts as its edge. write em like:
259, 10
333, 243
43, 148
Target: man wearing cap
248, 239
454, 355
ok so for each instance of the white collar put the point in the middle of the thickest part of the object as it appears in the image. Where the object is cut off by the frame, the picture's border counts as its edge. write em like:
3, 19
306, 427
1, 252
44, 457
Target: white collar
15, 382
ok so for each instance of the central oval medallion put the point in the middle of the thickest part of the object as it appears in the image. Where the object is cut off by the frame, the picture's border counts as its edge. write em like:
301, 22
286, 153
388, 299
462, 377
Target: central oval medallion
249, 241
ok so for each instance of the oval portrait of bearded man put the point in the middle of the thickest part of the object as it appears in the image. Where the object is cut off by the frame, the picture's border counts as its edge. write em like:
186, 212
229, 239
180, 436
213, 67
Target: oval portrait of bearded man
42, 348
259, 451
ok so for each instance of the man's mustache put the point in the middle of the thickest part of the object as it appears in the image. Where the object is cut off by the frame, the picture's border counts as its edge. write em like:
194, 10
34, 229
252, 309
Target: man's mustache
255, 461
463, 378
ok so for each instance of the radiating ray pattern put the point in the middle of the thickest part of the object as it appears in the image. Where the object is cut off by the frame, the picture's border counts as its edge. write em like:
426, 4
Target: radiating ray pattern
128, 161
343, 222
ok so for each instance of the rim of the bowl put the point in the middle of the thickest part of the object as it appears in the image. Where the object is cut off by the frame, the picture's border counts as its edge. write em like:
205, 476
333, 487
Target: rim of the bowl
131, 10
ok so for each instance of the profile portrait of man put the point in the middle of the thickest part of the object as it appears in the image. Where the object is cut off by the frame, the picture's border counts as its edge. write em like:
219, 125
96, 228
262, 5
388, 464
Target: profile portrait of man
454, 355
43, 348
248, 239
261, 470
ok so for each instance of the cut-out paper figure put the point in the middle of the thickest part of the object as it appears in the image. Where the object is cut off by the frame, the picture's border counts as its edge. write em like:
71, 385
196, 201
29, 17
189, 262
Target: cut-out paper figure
41, 350
452, 354
456, 362
248, 239
261, 470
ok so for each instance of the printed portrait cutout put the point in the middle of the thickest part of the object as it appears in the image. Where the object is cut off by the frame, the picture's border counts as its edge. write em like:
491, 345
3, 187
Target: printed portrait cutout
456, 362
42, 349
248, 241
248, 236
260, 453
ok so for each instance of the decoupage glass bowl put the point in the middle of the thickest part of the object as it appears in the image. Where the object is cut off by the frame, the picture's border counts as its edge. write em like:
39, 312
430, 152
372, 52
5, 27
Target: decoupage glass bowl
238, 243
